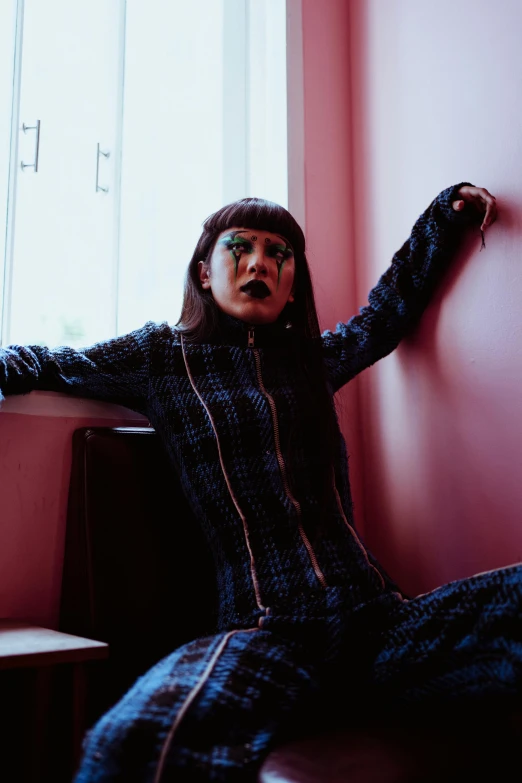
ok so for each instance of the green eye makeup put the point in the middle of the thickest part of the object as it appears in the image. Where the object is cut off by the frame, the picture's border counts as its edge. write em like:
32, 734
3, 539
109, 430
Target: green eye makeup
237, 245
281, 254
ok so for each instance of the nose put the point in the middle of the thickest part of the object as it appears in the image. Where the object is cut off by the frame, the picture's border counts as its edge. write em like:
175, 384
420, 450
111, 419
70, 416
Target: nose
257, 263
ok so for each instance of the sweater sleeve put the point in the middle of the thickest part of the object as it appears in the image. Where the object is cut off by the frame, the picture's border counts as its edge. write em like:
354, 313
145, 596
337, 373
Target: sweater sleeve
402, 293
115, 371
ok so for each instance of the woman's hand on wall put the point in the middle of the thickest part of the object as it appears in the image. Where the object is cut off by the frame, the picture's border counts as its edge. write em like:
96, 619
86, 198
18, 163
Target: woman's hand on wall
481, 200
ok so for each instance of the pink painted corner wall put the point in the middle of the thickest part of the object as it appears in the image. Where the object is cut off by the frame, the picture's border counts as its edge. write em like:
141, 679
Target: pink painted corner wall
436, 100
328, 191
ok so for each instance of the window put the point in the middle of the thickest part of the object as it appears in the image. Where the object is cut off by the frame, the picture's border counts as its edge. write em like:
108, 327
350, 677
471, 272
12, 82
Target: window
142, 118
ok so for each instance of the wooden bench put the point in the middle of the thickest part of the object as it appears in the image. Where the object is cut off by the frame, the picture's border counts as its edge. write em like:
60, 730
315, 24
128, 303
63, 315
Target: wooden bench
24, 645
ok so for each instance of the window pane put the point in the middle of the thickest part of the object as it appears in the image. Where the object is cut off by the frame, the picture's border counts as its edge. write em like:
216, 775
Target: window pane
62, 268
268, 176
172, 150
203, 122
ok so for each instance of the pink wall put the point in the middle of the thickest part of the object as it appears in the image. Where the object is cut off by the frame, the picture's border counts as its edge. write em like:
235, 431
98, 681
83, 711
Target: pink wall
436, 100
328, 190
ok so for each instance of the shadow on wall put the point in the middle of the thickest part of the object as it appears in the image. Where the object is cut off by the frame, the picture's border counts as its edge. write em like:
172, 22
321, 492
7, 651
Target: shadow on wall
444, 495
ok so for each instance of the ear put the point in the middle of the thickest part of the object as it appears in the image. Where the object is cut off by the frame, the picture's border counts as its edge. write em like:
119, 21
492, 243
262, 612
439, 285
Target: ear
291, 297
204, 275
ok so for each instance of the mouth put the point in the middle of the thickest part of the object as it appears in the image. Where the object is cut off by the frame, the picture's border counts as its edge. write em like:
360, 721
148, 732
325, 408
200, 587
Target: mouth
256, 289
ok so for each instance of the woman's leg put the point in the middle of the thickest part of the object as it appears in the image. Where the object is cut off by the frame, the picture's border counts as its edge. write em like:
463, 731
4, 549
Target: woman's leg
463, 639
208, 712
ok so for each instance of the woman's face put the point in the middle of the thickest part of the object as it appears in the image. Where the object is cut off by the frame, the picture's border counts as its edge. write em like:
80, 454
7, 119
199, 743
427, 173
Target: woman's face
250, 273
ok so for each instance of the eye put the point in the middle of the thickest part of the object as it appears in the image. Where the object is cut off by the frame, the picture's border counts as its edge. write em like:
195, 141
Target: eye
237, 247
279, 254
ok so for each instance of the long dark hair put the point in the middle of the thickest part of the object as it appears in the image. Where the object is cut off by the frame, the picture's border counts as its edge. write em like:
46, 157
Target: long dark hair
199, 312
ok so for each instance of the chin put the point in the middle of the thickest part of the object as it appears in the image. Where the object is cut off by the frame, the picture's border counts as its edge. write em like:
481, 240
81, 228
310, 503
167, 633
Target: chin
258, 319
256, 315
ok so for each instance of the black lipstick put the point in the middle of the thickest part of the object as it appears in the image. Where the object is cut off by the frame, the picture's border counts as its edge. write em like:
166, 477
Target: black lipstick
256, 289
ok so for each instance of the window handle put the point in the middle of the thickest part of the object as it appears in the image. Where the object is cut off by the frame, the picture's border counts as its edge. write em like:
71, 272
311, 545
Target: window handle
36, 128
105, 155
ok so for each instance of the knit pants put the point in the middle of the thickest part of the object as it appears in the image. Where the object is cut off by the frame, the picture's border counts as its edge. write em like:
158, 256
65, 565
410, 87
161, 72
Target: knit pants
212, 710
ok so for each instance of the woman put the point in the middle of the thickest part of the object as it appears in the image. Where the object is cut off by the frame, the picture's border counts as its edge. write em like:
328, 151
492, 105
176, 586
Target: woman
241, 392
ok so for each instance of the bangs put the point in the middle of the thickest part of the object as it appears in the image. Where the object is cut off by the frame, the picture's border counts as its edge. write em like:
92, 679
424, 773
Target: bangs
261, 214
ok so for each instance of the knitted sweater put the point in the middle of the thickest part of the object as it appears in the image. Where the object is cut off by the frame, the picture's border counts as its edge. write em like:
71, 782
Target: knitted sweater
232, 414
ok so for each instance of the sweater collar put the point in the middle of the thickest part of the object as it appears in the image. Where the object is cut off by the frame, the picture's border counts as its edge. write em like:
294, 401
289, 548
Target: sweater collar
232, 331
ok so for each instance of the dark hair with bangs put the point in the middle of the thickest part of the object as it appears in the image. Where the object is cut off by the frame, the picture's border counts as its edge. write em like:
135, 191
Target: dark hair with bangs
199, 316
198, 319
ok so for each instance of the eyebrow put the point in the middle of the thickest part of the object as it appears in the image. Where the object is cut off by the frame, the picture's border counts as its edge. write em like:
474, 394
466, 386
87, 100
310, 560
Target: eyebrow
233, 235
248, 231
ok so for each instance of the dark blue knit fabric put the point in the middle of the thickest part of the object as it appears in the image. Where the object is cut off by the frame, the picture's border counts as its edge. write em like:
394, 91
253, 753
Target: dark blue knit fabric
235, 420
213, 709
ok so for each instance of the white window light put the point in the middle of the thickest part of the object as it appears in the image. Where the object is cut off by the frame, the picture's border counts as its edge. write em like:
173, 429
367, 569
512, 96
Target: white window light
202, 86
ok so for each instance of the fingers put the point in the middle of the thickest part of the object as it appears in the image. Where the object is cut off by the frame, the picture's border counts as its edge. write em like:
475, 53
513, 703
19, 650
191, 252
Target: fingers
481, 200
486, 204
491, 212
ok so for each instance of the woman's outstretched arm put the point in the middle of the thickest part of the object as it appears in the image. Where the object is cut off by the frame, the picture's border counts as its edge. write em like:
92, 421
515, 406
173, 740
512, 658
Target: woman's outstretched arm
115, 371
404, 290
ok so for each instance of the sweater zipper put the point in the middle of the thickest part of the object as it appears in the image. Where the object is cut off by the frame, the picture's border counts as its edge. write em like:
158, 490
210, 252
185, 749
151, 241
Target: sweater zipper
253, 571
282, 467
355, 536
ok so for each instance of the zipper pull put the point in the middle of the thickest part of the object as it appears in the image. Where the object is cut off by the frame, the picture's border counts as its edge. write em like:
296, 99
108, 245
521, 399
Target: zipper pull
251, 337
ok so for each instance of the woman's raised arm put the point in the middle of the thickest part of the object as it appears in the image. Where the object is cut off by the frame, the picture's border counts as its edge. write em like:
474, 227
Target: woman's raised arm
404, 290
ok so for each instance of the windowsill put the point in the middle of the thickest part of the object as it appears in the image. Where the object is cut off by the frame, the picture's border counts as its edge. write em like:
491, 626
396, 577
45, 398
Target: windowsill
43, 403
